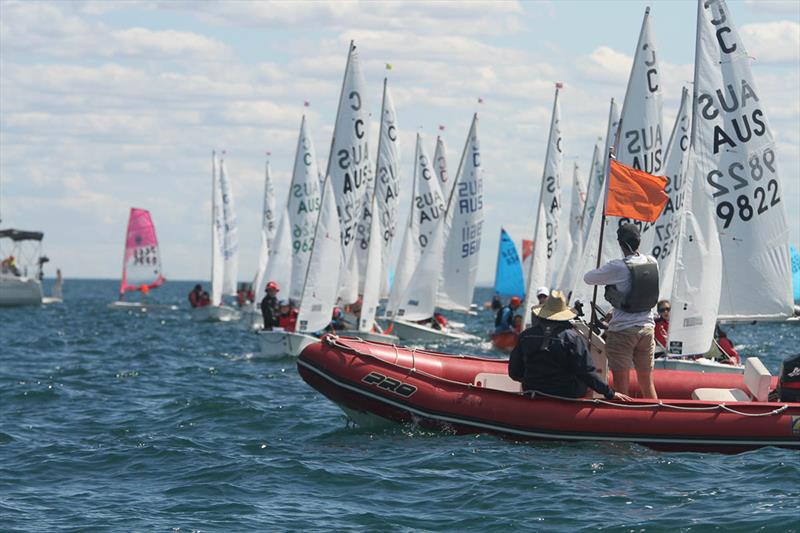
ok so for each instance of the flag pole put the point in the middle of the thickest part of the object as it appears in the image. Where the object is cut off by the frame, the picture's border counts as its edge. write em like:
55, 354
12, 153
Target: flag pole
594, 322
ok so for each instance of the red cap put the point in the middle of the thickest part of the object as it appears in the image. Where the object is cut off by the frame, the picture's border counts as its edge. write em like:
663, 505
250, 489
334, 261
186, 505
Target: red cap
515, 301
273, 285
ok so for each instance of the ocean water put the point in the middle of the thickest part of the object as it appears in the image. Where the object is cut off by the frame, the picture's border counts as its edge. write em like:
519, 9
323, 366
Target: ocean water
129, 421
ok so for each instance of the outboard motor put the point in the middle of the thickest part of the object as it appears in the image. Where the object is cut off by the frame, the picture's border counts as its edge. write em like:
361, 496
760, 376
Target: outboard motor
790, 379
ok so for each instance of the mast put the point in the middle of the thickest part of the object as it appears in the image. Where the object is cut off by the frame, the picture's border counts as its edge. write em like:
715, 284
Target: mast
213, 208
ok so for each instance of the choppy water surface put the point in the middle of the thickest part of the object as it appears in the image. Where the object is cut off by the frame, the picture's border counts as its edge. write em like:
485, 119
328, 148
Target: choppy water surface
130, 421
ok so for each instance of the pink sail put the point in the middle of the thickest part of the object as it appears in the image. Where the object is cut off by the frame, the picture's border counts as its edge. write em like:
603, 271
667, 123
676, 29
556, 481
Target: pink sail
141, 266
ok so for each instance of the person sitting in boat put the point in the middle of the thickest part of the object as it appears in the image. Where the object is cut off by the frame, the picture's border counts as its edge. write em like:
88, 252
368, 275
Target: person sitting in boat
518, 323
632, 290
661, 331
541, 294
439, 322
9, 266
496, 303
269, 306
722, 349
194, 296
287, 317
205, 299
504, 320
552, 357
338, 321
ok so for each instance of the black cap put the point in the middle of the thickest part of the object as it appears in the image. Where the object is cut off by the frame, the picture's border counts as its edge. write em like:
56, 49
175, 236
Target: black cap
629, 234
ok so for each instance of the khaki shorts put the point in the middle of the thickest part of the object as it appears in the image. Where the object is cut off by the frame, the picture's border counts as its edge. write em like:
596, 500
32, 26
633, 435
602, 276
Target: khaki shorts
634, 345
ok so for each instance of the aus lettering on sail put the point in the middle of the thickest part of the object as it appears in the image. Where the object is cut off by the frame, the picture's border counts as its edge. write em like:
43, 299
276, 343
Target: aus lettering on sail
388, 179
470, 200
428, 201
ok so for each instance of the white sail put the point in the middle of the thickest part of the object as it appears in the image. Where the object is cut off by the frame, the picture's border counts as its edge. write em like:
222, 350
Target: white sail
594, 185
694, 295
738, 161
420, 297
217, 236
372, 275
320, 288
463, 228
303, 207
279, 263
662, 239
349, 167
267, 231
640, 140
387, 184
427, 209
230, 232
593, 217
573, 245
440, 167
545, 240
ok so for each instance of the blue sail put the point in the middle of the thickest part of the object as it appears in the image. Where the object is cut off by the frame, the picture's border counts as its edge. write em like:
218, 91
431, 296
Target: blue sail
796, 274
508, 279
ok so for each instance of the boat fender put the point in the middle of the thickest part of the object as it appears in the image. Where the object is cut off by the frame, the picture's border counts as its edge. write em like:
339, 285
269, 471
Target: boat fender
643, 295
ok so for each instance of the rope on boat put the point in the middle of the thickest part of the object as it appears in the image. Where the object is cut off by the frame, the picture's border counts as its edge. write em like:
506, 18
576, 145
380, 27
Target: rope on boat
720, 406
334, 341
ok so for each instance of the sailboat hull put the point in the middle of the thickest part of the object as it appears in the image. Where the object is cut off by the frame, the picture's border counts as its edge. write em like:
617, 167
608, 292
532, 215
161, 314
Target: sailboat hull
409, 331
19, 291
277, 343
215, 313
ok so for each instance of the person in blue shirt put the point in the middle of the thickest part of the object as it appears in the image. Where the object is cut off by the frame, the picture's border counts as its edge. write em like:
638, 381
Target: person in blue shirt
504, 320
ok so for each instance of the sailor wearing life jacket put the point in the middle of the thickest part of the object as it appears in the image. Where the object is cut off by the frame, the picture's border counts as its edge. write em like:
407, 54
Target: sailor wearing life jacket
632, 290
553, 358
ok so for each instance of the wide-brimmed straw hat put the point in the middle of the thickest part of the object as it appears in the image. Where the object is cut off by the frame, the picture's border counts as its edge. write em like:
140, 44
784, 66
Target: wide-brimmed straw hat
554, 308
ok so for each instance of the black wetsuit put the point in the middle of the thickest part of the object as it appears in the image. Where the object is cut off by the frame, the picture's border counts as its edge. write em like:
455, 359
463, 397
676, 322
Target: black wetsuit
269, 311
556, 362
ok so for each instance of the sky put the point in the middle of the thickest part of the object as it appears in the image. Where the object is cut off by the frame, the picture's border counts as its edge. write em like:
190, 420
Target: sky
110, 105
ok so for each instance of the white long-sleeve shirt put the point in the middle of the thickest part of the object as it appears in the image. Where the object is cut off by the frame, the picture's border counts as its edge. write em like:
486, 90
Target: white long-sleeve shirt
616, 272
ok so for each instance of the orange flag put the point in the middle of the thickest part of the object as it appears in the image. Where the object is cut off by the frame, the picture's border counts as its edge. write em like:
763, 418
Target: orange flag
634, 193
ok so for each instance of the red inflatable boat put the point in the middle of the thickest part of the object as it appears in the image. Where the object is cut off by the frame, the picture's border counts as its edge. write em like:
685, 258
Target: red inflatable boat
467, 394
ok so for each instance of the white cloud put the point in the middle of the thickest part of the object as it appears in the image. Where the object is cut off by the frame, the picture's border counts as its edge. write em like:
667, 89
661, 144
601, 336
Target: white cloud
773, 42
782, 7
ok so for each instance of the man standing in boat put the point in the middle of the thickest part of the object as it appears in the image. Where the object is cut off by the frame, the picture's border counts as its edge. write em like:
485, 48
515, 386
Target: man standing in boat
551, 357
632, 290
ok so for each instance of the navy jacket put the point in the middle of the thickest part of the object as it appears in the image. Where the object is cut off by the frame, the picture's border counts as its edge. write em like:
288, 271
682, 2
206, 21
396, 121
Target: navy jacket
558, 363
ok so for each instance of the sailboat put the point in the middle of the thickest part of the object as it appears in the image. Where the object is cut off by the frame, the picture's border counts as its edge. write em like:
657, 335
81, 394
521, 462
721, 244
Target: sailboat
268, 227
320, 286
508, 282
546, 228
447, 269
383, 207
19, 285
141, 262
224, 249
350, 171
733, 247
290, 249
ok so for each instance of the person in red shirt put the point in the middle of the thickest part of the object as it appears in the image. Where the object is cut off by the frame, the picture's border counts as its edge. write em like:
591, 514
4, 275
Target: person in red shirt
287, 317
661, 332
726, 346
